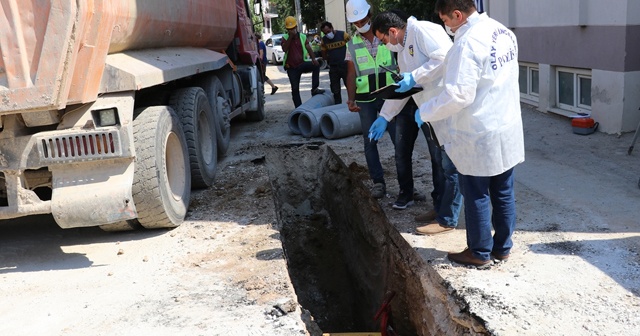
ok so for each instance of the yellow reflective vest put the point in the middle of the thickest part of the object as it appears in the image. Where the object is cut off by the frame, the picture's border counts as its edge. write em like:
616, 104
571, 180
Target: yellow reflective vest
369, 75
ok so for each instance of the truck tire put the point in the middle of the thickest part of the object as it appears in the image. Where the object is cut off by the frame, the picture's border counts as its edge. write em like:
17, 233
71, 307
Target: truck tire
259, 114
198, 122
221, 108
162, 180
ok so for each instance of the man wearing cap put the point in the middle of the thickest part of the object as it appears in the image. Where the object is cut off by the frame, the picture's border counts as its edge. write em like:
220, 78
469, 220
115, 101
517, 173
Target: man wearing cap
364, 57
299, 59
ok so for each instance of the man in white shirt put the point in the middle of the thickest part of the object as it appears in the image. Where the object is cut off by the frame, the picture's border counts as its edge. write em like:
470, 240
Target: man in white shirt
421, 47
480, 103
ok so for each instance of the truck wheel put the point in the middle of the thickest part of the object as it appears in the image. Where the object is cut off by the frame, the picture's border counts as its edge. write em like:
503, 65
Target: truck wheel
221, 108
198, 122
259, 114
162, 181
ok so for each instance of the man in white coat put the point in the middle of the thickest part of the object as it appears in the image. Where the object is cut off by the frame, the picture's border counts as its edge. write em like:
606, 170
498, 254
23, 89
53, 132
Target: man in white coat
421, 47
481, 105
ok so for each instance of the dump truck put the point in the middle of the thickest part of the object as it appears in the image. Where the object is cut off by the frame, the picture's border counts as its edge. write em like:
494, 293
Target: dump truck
113, 110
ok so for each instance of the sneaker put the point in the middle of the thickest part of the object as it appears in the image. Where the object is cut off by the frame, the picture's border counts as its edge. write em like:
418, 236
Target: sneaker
466, 257
273, 90
317, 91
433, 228
426, 217
418, 197
403, 202
378, 190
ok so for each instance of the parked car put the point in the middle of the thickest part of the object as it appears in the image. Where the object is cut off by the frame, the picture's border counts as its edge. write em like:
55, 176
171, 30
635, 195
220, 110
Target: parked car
274, 49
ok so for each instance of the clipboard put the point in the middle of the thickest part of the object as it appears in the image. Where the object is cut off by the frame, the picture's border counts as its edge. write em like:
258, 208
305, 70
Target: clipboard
389, 92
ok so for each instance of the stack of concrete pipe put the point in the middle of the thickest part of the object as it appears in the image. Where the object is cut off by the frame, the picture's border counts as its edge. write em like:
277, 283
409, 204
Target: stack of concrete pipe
318, 116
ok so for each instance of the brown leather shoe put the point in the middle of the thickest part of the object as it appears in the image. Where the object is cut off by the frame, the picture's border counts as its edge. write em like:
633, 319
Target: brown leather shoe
466, 258
426, 217
433, 228
500, 257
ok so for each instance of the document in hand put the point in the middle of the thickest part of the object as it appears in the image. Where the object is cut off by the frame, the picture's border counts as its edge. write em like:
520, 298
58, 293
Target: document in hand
389, 92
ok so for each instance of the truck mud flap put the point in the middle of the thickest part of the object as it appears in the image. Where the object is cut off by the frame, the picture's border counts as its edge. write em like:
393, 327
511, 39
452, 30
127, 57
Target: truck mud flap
93, 193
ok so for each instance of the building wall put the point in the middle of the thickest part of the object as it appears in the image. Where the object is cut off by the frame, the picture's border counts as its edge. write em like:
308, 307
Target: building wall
335, 13
268, 14
600, 36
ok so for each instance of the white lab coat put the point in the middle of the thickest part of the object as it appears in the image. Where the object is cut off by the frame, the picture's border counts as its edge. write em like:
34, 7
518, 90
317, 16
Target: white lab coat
481, 99
425, 48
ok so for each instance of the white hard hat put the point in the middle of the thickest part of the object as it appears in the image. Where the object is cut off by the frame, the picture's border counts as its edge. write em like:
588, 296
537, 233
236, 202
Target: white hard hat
357, 10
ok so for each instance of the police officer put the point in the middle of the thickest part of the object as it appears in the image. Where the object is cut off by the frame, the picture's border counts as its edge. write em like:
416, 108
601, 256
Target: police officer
481, 105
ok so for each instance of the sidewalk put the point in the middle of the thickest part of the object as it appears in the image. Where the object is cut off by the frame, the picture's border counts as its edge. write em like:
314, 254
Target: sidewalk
575, 266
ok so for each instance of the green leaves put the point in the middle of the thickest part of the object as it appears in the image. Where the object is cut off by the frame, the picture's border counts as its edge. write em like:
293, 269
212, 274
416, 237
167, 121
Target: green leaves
313, 12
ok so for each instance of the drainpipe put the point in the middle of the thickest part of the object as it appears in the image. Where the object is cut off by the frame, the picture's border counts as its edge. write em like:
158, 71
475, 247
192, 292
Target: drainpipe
309, 121
317, 101
340, 123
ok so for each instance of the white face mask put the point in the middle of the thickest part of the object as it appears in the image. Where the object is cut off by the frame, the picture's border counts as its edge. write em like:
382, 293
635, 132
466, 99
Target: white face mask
330, 36
394, 47
364, 28
450, 31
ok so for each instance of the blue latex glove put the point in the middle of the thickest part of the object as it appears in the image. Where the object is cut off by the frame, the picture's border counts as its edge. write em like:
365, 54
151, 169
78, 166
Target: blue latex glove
419, 118
406, 83
377, 128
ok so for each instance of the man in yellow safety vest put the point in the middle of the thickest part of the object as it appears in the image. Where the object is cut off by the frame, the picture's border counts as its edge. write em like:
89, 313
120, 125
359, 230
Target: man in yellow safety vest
364, 56
299, 59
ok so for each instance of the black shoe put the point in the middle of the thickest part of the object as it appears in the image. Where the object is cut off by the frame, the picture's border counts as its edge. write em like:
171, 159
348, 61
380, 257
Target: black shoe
403, 201
418, 197
317, 91
273, 90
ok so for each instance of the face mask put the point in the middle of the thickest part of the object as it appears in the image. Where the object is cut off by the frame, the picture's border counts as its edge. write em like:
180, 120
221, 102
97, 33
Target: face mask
450, 31
364, 28
394, 47
330, 36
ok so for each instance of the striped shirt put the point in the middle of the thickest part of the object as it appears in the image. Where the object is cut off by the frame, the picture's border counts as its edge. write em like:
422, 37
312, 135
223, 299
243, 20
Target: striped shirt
371, 46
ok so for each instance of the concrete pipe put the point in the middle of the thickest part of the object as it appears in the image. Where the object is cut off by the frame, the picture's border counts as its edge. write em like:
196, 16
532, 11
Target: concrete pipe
340, 123
314, 102
309, 121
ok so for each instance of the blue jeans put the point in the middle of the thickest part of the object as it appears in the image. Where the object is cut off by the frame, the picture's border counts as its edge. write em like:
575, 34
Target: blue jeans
447, 199
368, 114
405, 139
294, 78
489, 201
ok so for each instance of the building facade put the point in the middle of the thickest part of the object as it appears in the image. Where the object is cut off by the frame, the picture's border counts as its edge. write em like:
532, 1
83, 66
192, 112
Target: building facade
578, 56
268, 14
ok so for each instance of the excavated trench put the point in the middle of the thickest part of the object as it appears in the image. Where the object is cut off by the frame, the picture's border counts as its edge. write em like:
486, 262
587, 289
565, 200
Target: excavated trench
343, 254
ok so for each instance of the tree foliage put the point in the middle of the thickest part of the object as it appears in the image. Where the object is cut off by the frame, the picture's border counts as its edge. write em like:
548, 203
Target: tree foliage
421, 9
313, 12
